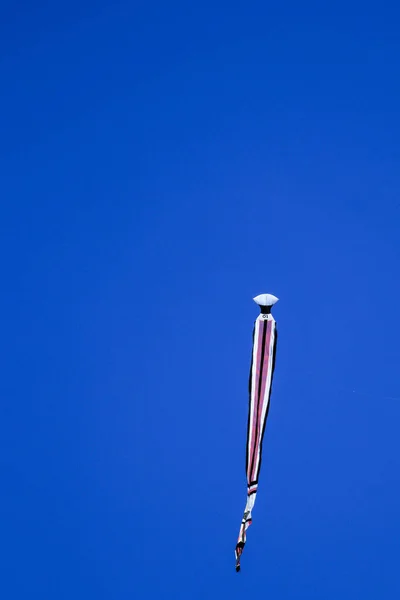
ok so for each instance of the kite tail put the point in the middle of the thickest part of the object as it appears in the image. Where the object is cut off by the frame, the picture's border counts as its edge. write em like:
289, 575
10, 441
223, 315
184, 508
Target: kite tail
260, 383
245, 524
238, 554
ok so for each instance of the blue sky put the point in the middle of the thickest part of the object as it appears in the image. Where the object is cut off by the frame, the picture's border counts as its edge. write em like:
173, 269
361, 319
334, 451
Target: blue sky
161, 164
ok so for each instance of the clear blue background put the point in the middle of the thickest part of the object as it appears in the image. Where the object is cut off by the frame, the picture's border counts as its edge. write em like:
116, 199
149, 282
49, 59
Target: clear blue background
161, 164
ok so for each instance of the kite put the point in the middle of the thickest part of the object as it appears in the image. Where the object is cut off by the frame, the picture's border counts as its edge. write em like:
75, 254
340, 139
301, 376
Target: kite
260, 382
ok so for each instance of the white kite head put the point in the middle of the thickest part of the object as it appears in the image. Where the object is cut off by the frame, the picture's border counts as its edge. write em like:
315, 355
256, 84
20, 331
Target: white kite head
265, 300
